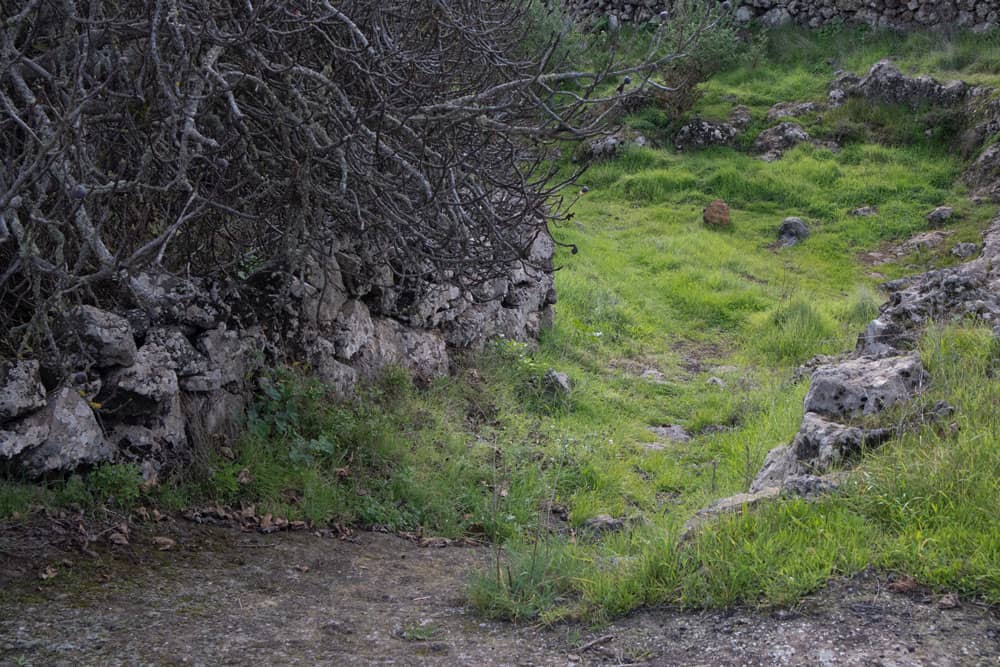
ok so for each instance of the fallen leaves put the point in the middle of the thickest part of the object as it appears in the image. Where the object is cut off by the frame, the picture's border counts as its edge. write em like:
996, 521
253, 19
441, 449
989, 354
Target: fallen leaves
164, 543
48, 573
246, 517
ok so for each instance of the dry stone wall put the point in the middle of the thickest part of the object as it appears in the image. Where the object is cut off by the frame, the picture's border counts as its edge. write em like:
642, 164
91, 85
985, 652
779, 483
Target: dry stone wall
979, 15
174, 367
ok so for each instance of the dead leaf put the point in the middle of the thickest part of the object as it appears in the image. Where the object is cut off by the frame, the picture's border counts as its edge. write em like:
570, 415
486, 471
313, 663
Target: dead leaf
244, 476
949, 601
903, 585
298, 525
228, 453
117, 538
164, 543
302, 568
343, 472
142, 513
48, 573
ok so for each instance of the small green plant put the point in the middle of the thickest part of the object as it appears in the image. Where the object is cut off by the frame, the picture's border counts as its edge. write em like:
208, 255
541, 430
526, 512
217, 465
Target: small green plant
117, 484
421, 632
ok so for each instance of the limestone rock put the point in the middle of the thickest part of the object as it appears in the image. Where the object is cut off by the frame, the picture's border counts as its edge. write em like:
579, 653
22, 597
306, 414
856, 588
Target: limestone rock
773, 142
353, 329
700, 133
557, 384
607, 147
819, 445
983, 177
104, 337
73, 437
740, 118
886, 84
168, 299
792, 231
716, 215
790, 110
864, 386
21, 389
965, 250
775, 18
940, 215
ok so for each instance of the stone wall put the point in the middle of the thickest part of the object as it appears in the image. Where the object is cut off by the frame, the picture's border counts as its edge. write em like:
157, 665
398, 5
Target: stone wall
980, 15
174, 366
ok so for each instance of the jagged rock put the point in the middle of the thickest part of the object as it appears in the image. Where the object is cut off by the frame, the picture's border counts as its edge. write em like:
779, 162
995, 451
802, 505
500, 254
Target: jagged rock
792, 231
353, 330
21, 389
603, 148
864, 386
790, 110
819, 445
169, 348
773, 142
716, 382
167, 299
940, 215
235, 354
886, 84
876, 339
104, 337
740, 118
72, 437
716, 215
157, 439
700, 133
557, 384
341, 378
321, 290
965, 250
144, 388
983, 177
810, 486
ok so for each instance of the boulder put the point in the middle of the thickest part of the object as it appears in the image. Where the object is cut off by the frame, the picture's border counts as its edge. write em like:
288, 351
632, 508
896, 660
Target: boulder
21, 389
773, 142
105, 338
716, 215
167, 299
886, 84
940, 215
169, 348
792, 231
72, 437
819, 446
864, 386
700, 133
339, 377
144, 388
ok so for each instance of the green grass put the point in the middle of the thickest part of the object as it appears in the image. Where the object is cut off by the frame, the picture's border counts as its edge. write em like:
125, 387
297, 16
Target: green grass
487, 452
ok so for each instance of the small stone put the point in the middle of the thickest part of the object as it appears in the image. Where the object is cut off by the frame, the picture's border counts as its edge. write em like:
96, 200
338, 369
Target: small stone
604, 523
716, 215
556, 383
865, 211
940, 215
949, 601
792, 231
673, 433
716, 382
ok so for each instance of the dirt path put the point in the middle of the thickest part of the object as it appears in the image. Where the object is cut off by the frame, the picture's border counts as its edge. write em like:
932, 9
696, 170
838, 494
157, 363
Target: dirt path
220, 597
